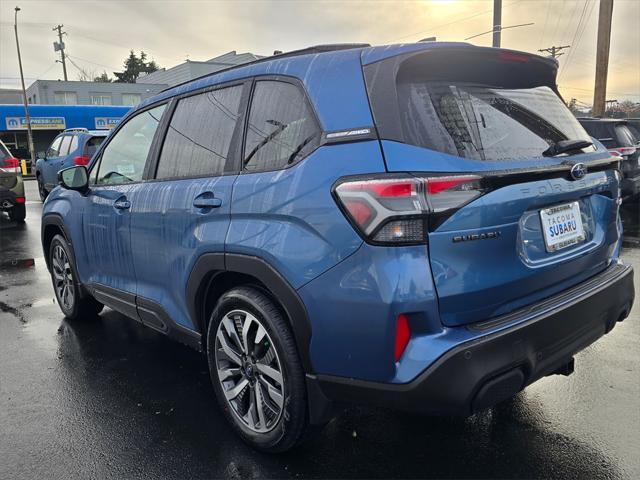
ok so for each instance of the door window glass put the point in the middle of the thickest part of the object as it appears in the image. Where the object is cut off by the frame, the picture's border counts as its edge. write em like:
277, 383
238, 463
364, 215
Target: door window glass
282, 128
74, 144
64, 146
124, 158
54, 148
199, 135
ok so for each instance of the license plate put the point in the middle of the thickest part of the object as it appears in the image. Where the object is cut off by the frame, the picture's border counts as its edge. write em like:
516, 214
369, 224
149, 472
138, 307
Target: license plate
562, 226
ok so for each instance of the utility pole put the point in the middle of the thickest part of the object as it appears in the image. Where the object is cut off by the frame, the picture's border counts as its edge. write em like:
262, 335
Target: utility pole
555, 51
24, 92
602, 57
497, 22
60, 46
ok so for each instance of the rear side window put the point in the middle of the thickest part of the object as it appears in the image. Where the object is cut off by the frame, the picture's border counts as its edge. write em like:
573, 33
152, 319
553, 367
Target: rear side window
74, 144
199, 136
282, 128
54, 148
64, 146
485, 123
92, 145
124, 158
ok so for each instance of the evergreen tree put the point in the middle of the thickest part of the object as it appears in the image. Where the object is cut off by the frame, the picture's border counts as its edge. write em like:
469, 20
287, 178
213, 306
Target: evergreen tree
133, 66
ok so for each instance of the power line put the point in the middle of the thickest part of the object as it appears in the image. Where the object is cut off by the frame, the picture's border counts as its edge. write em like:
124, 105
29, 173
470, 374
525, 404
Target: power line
546, 19
463, 19
577, 38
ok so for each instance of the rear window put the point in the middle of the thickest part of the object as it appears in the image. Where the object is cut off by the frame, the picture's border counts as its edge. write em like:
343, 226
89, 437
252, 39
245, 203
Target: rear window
92, 145
483, 122
472, 102
625, 136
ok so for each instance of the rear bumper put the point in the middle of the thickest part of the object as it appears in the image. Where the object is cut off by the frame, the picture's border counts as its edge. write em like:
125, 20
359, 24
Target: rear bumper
501, 361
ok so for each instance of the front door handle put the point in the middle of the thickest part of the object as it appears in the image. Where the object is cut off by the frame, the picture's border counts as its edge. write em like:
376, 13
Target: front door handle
122, 204
207, 200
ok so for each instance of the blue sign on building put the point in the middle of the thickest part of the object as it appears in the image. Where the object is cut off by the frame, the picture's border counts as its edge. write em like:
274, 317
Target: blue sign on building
60, 117
37, 123
106, 123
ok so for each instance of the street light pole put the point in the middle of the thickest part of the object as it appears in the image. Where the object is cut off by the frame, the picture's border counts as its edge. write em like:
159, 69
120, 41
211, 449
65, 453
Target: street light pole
24, 92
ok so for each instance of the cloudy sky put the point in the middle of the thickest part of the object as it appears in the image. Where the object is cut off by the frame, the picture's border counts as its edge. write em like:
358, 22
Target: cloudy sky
101, 33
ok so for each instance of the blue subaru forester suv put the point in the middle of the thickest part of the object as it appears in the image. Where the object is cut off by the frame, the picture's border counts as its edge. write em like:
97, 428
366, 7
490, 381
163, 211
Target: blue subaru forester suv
420, 226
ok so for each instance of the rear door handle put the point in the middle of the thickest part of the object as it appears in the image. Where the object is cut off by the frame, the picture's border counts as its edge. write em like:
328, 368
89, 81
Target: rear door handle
207, 200
122, 204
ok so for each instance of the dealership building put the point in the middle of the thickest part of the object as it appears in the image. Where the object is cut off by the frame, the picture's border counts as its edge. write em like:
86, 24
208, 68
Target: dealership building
47, 121
58, 92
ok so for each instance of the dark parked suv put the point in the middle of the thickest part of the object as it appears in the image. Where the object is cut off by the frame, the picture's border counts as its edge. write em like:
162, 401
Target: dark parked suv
420, 226
621, 140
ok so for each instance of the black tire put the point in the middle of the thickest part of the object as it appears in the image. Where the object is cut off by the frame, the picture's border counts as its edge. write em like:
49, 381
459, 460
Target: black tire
42, 191
80, 305
18, 213
293, 419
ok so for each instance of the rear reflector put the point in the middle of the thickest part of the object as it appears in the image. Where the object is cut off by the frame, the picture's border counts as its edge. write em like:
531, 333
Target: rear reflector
402, 336
19, 199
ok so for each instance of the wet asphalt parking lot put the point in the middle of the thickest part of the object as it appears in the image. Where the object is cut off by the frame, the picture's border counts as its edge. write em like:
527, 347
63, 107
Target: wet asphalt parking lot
110, 398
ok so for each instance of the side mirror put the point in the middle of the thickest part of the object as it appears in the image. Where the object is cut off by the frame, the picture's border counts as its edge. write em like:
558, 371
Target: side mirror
41, 156
74, 178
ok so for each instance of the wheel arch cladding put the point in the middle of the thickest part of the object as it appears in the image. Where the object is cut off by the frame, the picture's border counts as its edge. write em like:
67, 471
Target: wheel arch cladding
237, 270
51, 226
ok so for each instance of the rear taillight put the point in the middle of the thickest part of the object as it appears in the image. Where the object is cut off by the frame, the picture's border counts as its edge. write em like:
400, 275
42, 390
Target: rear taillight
622, 151
81, 160
20, 199
10, 164
395, 209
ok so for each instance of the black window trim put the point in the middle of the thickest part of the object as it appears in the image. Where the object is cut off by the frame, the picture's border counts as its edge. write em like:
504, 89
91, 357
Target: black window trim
232, 163
300, 86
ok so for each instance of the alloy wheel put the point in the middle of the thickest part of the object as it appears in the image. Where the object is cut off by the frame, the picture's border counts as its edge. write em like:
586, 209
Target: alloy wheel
62, 277
249, 371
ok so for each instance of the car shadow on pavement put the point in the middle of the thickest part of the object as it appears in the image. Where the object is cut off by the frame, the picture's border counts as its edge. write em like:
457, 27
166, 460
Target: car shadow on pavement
147, 401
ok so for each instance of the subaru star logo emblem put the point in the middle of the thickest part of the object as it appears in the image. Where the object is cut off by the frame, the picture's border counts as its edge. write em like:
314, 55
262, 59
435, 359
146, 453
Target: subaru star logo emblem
578, 171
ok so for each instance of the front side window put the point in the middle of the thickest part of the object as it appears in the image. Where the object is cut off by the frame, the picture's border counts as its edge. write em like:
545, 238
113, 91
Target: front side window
199, 135
124, 158
131, 98
54, 149
282, 128
65, 98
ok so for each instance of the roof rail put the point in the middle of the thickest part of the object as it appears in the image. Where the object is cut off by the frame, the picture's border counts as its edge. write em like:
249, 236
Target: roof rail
331, 47
77, 129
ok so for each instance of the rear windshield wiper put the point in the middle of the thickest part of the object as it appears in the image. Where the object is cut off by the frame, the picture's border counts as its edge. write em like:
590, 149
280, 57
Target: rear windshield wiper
564, 146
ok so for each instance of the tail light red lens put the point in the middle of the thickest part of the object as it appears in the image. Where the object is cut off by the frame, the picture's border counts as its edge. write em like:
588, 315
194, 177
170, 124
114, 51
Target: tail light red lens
20, 199
81, 160
403, 334
622, 151
10, 164
394, 209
